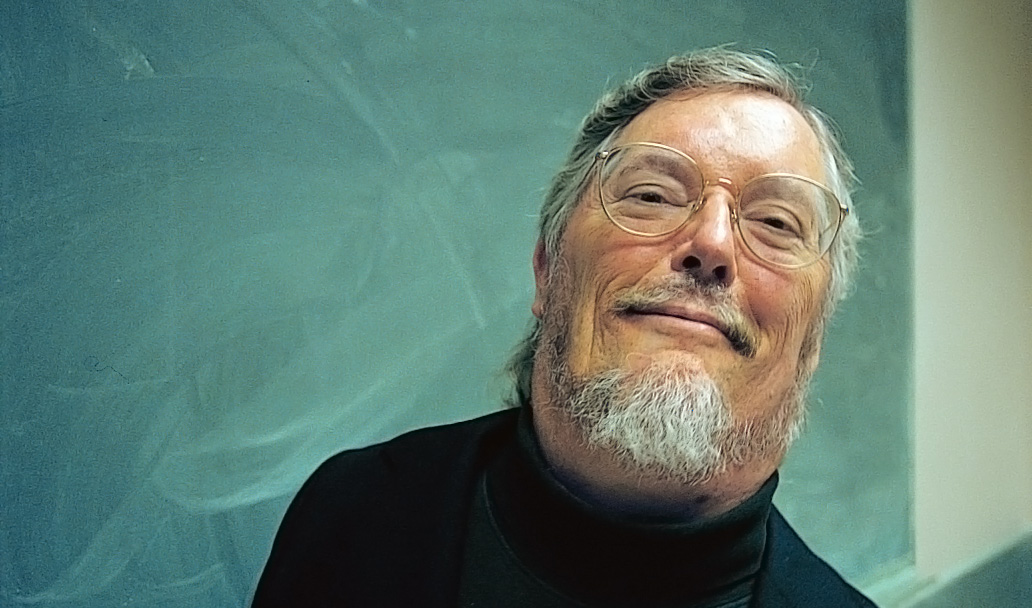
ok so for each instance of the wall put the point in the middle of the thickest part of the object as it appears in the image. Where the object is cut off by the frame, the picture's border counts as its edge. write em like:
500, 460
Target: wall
972, 162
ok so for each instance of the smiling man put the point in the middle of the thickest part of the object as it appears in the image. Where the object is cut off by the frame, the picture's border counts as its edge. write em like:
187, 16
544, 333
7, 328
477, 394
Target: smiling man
692, 248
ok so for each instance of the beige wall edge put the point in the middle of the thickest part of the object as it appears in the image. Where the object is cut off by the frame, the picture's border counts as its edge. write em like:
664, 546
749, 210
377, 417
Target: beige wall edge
971, 115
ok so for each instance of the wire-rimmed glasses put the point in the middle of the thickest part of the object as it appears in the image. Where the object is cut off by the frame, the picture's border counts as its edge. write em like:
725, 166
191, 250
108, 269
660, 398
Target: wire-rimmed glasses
650, 189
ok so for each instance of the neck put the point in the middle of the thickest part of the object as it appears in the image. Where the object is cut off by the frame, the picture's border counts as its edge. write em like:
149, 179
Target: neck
599, 558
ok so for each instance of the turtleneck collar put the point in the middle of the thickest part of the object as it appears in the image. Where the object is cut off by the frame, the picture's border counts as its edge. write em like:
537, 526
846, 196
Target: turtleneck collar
598, 557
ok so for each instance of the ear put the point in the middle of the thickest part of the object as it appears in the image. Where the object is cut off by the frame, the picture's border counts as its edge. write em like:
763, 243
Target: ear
814, 358
812, 355
540, 279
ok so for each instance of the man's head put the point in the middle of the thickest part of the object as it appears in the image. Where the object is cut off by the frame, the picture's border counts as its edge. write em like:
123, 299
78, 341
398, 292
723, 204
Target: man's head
685, 354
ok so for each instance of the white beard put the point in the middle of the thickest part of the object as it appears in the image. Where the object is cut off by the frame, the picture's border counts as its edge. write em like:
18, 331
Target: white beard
670, 421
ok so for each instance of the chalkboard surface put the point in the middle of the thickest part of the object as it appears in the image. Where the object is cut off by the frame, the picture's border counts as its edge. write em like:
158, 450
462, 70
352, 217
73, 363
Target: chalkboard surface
236, 238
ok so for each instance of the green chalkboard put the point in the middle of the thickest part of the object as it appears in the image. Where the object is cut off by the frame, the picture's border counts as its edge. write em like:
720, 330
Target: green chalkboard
237, 237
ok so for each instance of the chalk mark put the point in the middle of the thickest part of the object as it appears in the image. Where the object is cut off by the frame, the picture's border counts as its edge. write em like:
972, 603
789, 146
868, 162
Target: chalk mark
94, 365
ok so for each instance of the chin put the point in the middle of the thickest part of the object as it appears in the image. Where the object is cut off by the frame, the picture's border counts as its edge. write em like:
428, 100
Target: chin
663, 417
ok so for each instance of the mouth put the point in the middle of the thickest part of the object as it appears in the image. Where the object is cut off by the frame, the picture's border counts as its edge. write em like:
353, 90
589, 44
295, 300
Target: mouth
735, 335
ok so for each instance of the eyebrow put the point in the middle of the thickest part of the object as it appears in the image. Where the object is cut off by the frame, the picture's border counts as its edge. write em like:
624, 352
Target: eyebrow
677, 167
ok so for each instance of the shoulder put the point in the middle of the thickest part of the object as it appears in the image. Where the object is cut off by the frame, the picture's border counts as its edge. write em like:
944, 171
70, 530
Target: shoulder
428, 462
417, 454
793, 575
371, 515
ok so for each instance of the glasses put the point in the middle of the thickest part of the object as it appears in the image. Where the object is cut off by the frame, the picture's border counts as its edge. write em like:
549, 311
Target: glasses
649, 189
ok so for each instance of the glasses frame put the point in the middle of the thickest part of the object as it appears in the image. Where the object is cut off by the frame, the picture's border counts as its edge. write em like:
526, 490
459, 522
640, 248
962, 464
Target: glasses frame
603, 155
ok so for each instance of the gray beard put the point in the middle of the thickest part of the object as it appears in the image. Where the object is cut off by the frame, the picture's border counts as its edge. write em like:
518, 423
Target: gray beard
671, 422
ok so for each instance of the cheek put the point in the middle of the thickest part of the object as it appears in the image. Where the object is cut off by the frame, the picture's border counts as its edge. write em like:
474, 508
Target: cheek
599, 266
590, 303
593, 264
785, 307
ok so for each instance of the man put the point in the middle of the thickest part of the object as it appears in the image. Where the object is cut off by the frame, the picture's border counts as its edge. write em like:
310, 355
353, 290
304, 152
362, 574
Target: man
692, 248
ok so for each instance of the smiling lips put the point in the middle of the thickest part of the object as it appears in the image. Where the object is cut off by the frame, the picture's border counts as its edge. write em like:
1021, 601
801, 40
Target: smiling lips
735, 335
683, 312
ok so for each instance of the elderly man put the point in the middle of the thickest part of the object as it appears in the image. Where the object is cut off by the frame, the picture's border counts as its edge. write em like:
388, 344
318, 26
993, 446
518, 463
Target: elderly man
692, 248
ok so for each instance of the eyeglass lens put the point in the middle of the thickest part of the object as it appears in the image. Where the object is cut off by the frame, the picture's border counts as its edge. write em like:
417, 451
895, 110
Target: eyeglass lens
650, 190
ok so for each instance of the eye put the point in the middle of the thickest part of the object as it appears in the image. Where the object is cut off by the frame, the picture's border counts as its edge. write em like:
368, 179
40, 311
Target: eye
785, 217
780, 211
777, 223
650, 196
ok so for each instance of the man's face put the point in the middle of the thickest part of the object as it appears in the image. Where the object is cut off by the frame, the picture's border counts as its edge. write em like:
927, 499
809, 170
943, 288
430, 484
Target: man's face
773, 311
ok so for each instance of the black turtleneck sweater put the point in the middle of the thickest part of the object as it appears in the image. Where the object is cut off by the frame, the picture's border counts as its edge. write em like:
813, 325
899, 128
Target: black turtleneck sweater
533, 543
467, 515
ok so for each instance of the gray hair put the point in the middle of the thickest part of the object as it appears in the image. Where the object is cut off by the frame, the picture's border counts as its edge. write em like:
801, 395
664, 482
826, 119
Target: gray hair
713, 69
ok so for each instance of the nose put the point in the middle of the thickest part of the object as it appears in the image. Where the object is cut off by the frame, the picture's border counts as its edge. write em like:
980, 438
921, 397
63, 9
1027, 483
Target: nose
706, 247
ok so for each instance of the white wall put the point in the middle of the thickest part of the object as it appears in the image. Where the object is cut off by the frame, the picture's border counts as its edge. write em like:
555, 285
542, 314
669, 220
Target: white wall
971, 105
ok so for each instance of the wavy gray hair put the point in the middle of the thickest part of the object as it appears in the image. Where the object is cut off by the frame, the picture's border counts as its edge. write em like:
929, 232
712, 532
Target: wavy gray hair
713, 69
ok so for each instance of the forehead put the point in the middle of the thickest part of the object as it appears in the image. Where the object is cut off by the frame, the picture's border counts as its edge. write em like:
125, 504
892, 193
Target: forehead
737, 134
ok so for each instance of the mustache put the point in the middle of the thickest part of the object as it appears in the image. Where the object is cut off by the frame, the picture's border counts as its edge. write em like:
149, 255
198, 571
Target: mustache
686, 288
